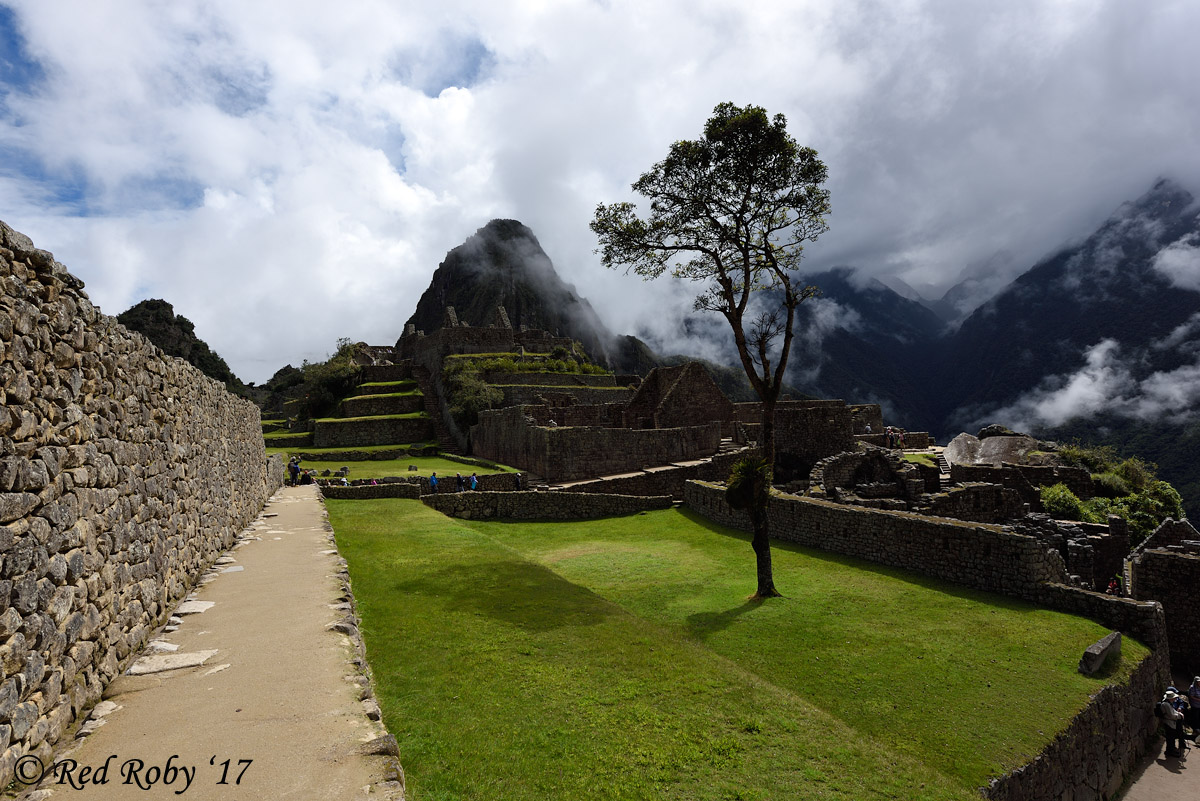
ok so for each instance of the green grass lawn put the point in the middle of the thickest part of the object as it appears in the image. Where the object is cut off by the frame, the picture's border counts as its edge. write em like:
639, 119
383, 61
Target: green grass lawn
378, 468
927, 459
620, 659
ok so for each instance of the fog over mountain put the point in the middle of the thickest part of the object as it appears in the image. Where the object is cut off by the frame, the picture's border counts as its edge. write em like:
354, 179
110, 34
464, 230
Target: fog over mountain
290, 173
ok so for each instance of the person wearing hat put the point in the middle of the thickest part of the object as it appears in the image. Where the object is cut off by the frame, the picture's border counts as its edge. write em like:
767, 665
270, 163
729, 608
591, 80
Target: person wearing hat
1172, 720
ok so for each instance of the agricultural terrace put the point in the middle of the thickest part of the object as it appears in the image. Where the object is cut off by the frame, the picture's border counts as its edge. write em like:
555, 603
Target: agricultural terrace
619, 658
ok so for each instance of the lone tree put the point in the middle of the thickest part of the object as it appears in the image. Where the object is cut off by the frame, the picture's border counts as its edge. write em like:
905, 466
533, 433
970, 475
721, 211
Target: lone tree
732, 210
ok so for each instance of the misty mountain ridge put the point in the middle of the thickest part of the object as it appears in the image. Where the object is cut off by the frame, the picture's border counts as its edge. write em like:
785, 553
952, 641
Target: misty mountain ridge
1107, 325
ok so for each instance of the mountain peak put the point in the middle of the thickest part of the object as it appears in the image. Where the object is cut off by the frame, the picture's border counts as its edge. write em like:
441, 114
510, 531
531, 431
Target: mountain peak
503, 264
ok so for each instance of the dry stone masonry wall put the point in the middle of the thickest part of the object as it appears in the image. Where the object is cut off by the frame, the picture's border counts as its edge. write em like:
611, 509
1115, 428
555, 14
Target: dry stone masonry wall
123, 474
541, 505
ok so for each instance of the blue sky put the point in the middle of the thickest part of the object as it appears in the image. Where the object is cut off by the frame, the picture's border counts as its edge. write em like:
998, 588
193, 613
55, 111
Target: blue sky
288, 173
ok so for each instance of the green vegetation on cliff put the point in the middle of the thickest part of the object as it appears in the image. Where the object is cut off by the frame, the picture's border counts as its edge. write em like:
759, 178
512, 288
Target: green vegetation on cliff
175, 335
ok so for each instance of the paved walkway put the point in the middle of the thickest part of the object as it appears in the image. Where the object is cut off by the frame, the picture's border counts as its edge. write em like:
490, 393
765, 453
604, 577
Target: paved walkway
1164, 778
274, 709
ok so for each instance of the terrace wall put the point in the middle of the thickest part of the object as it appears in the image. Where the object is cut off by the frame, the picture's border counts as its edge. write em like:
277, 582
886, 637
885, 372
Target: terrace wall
352, 433
124, 473
541, 505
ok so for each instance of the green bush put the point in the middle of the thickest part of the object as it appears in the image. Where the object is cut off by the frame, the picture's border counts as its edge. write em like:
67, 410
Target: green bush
1110, 485
1060, 503
325, 383
468, 396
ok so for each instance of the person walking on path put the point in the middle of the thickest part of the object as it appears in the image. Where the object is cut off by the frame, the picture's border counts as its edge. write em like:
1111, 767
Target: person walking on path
433, 482
1193, 694
459, 483
474, 482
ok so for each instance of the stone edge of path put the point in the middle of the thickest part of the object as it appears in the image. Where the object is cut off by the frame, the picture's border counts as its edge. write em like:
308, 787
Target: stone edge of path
391, 788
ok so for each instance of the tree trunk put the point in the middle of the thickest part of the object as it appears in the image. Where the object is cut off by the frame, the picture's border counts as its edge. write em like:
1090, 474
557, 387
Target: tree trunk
762, 555
759, 517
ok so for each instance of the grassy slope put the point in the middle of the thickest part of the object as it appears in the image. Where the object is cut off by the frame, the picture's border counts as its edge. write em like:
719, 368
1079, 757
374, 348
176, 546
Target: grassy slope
683, 689
502, 680
968, 682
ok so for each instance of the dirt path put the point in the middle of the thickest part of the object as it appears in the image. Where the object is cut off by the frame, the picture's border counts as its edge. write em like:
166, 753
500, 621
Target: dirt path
1164, 778
274, 710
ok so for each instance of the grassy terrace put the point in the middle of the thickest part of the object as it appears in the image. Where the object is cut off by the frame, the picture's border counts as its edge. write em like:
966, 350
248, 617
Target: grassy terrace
378, 468
620, 659
408, 416
403, 385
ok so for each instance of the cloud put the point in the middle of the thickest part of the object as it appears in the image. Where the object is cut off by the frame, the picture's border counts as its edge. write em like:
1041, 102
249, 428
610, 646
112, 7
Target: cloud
1107, 383
1180, 262
290, 173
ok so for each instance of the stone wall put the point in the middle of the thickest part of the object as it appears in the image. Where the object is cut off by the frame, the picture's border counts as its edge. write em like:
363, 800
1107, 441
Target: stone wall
523, 394
564, 453
1096, 753
541, 505
986, 557
553, 379
368, 405
364, 492
1173, 579
665, 480
124, 473
350, 433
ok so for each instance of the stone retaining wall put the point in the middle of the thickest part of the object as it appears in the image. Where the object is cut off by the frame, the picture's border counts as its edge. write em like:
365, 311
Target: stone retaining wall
124, 473
364, 492
987, 557
367, 405
523, 394
541, 505
553, 379
371, 431
667, 480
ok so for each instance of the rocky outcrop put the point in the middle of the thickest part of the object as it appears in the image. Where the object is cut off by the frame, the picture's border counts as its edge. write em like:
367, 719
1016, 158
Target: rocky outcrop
123, 474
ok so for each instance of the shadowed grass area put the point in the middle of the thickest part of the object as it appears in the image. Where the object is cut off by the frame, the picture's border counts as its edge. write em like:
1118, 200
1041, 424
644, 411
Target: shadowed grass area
969, 683
503, 679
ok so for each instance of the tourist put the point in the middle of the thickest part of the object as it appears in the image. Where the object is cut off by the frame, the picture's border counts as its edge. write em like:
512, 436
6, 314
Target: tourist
293, 472
517, 481
868, 428
1172, 720
1194, 713
474, 482
459, 482
433, 483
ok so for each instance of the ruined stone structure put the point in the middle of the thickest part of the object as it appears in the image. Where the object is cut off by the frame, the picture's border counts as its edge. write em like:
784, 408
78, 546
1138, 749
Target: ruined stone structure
1171, 576
514, 436
123, 475
676, 397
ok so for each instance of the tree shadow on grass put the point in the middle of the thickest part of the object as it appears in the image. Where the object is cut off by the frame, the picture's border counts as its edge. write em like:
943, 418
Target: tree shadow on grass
521, 594
703, 624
